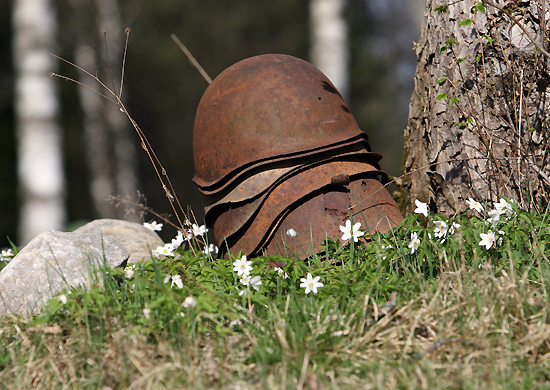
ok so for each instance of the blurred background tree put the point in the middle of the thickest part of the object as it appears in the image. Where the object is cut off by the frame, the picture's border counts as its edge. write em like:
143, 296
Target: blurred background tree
162, 90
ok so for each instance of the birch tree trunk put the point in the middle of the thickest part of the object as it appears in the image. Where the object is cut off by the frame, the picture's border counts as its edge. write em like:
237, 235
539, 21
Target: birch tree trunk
479, 114
124, 156
329, 42
110, 151
39, 137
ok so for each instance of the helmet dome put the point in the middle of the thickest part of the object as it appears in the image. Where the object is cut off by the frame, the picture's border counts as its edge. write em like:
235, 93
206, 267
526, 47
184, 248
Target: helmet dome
266, 107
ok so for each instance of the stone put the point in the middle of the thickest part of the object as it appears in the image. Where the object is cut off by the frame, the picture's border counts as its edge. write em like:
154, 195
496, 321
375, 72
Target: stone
51, 262
139, 240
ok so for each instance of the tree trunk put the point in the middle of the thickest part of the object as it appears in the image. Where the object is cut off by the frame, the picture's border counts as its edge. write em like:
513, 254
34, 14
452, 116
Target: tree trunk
124, 156
329, 42
39, 155
110, 151
478, 119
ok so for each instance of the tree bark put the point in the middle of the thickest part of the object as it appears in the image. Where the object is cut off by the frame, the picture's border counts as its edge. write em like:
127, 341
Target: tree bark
329, 42
478, 118
110, 151
39, 137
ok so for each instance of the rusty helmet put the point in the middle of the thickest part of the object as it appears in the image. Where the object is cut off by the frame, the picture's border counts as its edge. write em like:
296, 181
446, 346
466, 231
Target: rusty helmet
275, 146
265, 108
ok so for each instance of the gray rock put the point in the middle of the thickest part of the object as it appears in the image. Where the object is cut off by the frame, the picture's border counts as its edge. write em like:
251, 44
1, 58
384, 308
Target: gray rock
139, 240
51, 262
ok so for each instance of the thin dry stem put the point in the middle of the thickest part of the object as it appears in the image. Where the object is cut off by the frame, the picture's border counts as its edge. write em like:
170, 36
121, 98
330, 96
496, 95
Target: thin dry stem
517, 23
155, 161
192, 59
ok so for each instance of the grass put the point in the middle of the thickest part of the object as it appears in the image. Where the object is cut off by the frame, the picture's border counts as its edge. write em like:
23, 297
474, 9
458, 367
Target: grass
451, 315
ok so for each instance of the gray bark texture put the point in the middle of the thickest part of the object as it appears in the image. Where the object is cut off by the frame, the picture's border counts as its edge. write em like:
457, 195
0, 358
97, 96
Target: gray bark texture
110, 151
329, 41
39, 136
479, 114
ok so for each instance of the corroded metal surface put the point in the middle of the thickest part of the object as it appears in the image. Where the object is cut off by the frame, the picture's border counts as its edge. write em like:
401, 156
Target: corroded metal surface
260, 182
276, 147
264, 107
316, 209
358, 143
259, 215
331, 209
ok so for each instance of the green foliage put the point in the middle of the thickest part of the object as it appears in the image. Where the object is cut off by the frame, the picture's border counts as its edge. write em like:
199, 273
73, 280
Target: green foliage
374, 293
441, 9
479, 7
454, 100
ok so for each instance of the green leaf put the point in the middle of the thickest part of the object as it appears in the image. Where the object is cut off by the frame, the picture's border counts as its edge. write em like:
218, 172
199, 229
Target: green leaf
460, 60
455, 100
461, 125
470, 120
441, 9
465, 22
451, 42
478, 57
532, 129
442, 81
441, 96
489, 39
480, 7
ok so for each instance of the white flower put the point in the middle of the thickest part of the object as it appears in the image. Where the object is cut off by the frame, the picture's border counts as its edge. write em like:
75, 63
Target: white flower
63, 299
474, 205
242, 293
281, 272
500, 239
176, 242
493, 217
421, 207
311, 283
441, 229
291, 232
176, 280
199, 230
189, 302
167, 279
129, 273
210, 249
235, 323
503, 207
488, 240
351, 232
454, 226
242, 266
147, 313
154, 226
166, 250
414, 243
245, 280
255, 282
6, 255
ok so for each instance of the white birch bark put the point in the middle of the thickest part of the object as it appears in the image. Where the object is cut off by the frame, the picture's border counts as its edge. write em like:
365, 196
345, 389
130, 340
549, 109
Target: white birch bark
39, 136
329, 42
110, 152
95, 136
125, 176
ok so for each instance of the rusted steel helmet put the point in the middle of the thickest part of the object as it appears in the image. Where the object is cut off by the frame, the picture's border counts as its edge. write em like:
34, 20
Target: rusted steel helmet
267, 107
275, 145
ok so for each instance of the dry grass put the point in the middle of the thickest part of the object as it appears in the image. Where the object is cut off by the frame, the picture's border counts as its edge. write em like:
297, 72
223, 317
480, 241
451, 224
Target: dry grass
469, 329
